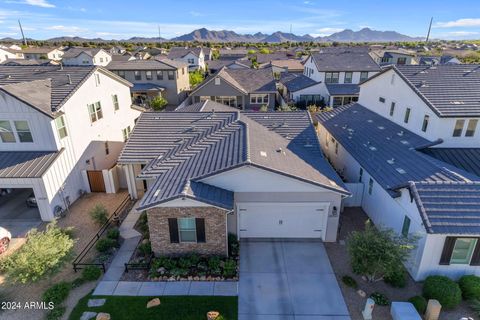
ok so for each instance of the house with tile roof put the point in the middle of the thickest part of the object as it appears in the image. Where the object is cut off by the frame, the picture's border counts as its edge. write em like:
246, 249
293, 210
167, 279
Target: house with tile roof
340, 70
299, 89
9, 54
415, 152
86, 57
61, 131
209, 170
244, 89
154, 77
194, 57
42, 53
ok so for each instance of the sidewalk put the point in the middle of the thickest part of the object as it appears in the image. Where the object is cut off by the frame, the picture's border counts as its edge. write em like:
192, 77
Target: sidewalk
131, 239
167, 288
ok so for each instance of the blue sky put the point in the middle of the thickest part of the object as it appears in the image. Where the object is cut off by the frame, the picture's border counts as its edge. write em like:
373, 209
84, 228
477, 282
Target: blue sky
119, 19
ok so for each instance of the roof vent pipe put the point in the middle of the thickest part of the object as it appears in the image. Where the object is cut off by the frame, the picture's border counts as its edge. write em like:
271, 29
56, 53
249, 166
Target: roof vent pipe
69, 79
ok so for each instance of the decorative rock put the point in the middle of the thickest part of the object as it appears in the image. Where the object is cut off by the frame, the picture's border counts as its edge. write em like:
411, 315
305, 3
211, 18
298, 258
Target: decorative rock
96, 302
87, 315
364, 278
433, 310
361, 293
161, 270
153, 303
196, 278
103, 316
202, 278
212, 315
190, 278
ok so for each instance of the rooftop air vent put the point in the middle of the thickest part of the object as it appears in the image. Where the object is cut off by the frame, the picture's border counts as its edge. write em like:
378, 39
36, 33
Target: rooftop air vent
372, 148
457, 102
157, 192
279, 150
400, 170
381, 127
263, 154
400, 133
404, 142
369, 120
391, 161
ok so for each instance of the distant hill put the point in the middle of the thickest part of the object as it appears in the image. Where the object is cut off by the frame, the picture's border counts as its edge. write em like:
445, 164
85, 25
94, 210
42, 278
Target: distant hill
205, 35
366, 35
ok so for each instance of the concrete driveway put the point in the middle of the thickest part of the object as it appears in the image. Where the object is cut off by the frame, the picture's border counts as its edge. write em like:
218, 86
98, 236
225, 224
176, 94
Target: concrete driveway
288, 280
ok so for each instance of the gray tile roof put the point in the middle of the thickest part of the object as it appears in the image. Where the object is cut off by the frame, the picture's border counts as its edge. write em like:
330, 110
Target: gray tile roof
75, 52
25, 62
467, 159
450, 90
25, 164
146, 87
344, 60
295, 82
37, 84
180, 148
178, 52
141, 64
207, 106
390, 154
337, 89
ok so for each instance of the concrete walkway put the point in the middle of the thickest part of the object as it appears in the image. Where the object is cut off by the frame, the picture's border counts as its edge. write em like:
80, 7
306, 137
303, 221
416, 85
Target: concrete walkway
288, 280
167, 288
131, 239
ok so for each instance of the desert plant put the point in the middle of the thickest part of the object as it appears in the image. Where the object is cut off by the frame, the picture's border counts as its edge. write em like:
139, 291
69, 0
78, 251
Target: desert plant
57, 293
443, 289
376, 253
350, 282
145, 248
419, 302
214, 265
264, 108
470, 286
113, 234
380, 299
105, 244
233, 245
99, 214
56, 313
230, 268
184, 263
396, 278
91, 273
43, 254
158, 103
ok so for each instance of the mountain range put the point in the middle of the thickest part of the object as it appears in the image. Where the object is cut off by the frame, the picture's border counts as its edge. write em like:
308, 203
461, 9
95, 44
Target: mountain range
205, 35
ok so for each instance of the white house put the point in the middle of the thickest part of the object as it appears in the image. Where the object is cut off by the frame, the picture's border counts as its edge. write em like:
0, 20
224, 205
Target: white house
340, 70
194, 57
86, 57
299, 89
8, 54
230, 172
61, 130
416, 181
42, 53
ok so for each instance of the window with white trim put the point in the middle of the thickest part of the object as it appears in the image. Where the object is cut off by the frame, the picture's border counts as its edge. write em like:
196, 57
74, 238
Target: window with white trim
457, 131
259, 98
95, 111
171, 75
97, 79
148, 75
463, 250
471, 127
363, 76
159, 75
61, 127
6, 132
370, 186
23, 131
348, 77
138, 75
187, 230
332, 77
126, 133
116, 105
426, 119
407, 115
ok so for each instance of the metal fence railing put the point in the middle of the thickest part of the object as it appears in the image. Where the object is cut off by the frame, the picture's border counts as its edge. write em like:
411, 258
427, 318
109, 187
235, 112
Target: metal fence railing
139, 265
116, 218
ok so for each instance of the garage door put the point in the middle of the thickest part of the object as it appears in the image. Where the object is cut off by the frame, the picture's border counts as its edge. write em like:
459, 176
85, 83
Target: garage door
282, 220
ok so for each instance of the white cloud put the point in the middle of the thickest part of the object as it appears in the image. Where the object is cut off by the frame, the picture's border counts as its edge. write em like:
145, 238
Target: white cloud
36, 3
459, 23
196, 13
308, 2
462, 33
70, 29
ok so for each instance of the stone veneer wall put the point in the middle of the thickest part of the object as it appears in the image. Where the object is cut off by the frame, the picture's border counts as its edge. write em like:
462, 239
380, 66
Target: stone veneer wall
215, 231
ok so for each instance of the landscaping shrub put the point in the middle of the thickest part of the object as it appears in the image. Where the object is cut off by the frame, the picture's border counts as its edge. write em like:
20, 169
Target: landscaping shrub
57, 293
475, 305
105, 244
229, 268
184, 263
396, 278
43, 254
350, 282
91, 273
214, 265
470, 286
158, 103
142, 224
420, 303
145, 248
99, 214
113, 234
56, 314
376, 253
380, 299
443, 289
194, 259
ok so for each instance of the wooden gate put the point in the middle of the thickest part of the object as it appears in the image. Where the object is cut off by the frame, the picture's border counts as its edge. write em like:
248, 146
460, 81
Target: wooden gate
95, 179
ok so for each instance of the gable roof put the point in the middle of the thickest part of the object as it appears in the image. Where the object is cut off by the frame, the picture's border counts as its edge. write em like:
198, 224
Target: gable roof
206, 106
344, 60
390, 154
467, 159
142, 64
295, 82
180, 52
75, 52
449, 90
181, 148
26, 164
338, 89
36, 85
244, 80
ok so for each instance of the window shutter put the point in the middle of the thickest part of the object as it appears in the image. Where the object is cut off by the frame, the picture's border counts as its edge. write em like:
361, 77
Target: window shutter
200, 224
173, 228
447, 250
476, 255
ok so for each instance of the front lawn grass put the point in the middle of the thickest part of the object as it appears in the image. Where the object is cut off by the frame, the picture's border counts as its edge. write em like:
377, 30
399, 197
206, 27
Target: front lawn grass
171, 307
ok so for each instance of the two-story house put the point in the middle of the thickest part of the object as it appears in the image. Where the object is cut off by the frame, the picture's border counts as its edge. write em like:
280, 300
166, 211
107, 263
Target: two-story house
340, 70
42, 53
152, 78
194, 57
399, 56
9, 54
412, 146
61, 131
245, 89
86, 57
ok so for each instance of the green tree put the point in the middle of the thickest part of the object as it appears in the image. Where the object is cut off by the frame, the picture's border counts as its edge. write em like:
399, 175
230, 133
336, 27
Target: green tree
264, 51
196, 77
158, 103
376, 253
